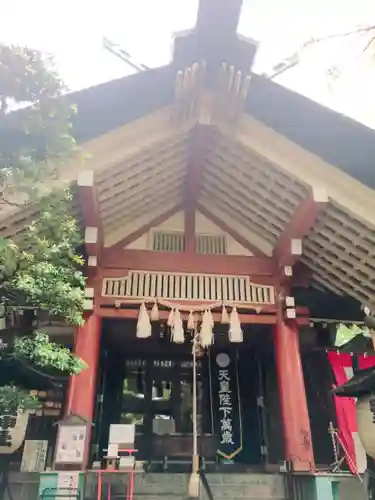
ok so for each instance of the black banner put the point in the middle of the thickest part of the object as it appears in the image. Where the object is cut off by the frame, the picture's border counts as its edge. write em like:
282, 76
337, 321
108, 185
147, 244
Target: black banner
226, 404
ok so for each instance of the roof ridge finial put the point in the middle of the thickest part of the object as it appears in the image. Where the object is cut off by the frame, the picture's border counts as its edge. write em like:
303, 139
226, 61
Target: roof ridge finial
221, 16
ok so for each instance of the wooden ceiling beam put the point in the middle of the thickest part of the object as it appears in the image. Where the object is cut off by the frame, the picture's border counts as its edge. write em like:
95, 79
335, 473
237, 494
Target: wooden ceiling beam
156, 221
91, 216
146, 260
230, 231
246, 318
288, 248
199, 138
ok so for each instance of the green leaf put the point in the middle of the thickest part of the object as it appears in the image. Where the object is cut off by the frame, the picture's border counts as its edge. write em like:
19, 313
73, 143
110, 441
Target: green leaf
345, 333
13, 398
42, 269
37, 137
41, 351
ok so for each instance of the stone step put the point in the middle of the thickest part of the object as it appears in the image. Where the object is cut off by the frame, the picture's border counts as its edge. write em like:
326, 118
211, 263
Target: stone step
247, 486
158, 497
163, 483
251, 486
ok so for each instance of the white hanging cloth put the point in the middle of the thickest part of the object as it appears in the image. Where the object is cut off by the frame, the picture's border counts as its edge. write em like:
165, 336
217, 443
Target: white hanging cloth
177, 331
235, 330
206, 334
144, 329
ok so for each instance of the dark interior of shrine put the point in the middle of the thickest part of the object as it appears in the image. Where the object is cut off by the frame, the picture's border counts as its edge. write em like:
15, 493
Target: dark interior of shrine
143, 380
148, 382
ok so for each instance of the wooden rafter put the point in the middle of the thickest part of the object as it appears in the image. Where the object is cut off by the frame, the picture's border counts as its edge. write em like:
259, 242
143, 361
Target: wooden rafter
156, 221
308, 168
199, 138
91, 216
288, 248
227, 229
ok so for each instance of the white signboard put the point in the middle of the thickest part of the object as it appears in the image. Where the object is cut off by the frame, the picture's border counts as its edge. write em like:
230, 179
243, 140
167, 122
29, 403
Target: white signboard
122, 434
70, 446
67, 483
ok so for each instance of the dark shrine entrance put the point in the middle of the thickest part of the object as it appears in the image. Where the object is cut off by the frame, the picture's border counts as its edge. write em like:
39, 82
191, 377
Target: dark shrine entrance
149, 383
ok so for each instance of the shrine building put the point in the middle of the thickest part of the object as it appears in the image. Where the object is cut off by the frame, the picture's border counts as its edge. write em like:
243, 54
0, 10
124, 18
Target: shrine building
215, 203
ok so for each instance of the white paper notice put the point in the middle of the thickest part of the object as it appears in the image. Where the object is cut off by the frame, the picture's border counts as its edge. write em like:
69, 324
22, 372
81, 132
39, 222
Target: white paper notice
122, 434
67, 485
70, 447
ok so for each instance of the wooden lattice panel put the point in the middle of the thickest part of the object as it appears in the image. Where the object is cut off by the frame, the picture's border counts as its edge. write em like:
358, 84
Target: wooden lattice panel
341, 253
134, 188
188, 287
254, 193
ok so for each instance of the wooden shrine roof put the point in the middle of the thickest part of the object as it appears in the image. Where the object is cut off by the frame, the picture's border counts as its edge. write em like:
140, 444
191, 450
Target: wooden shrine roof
159, 138
334, 137
250, 182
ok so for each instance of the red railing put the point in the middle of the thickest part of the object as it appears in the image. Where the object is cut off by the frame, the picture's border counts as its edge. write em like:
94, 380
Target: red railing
112, 470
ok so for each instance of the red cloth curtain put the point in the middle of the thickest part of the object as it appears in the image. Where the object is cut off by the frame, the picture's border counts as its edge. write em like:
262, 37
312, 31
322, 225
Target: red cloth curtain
342, 367
366, 362
345, 407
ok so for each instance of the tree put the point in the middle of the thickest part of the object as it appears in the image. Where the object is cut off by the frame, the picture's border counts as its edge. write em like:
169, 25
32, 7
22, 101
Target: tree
41, 272
41, 275
37, 137
363, 36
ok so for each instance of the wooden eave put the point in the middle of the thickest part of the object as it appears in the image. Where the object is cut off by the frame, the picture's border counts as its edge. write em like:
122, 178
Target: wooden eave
250, 177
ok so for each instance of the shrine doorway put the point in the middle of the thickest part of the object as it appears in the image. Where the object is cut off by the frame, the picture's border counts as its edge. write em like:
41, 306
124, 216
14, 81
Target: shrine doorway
149, 383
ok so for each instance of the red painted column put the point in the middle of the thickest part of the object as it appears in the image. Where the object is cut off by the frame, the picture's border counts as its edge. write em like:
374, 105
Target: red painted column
81, 391
293, 402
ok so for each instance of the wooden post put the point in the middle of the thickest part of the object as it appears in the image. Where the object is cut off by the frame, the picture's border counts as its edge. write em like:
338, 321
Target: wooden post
293, 402
82, 387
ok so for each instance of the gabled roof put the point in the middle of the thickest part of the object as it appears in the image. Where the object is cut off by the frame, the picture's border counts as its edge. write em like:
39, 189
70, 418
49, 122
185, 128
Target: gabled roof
252, 176
335, 138
249, 152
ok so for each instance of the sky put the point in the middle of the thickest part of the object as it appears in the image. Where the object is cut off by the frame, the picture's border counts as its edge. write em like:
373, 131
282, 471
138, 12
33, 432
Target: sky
73, 31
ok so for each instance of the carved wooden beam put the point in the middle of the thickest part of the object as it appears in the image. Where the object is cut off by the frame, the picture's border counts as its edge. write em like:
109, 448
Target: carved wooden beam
199, 139
189, 263
91, 216
288, 248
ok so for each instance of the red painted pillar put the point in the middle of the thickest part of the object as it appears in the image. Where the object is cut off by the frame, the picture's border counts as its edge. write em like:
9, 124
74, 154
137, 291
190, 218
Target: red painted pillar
81, 391
293, 402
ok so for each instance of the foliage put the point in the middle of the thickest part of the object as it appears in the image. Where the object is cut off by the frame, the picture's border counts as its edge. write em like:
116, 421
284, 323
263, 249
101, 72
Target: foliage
44, 273
42, 269
362, 38
39, 350
365, 35
345, 333
36, 137
13, 398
